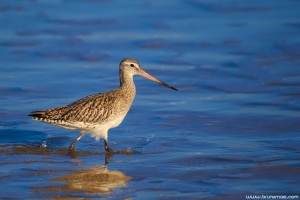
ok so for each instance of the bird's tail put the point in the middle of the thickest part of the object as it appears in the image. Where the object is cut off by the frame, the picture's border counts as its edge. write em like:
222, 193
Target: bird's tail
38, 114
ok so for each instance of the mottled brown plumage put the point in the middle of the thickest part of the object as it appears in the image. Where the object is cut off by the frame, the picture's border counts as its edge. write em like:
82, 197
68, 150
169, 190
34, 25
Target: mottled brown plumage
97, 113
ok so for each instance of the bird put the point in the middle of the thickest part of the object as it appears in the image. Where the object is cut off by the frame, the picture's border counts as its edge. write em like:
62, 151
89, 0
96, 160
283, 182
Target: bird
97, 113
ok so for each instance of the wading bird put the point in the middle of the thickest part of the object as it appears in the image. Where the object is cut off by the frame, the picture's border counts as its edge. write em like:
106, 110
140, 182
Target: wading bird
97, 113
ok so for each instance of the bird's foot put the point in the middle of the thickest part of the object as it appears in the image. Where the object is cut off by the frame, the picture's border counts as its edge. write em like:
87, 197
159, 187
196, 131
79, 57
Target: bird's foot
108, 149
71, 147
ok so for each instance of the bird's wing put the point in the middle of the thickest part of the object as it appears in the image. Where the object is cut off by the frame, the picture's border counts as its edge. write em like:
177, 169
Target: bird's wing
93, 108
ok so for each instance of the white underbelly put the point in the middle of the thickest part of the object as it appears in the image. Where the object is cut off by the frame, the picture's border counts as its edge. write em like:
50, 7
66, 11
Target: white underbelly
97, 130
100, 131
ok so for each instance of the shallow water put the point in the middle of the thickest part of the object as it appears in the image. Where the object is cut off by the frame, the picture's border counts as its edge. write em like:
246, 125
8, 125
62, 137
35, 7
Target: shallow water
231, 130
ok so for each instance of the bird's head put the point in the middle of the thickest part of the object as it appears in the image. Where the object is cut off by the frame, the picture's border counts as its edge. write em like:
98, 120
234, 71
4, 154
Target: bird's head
132, 67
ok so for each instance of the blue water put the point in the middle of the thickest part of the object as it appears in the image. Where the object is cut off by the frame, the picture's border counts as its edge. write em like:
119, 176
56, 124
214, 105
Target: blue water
231, 130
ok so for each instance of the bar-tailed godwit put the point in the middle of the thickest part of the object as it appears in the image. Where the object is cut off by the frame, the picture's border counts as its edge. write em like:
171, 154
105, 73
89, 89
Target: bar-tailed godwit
97, 113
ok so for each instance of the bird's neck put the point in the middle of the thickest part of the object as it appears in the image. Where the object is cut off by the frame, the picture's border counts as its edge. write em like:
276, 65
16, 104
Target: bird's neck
126, 82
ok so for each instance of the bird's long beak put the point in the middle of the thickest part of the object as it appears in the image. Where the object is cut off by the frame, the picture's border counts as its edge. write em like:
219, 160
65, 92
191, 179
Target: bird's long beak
148, 76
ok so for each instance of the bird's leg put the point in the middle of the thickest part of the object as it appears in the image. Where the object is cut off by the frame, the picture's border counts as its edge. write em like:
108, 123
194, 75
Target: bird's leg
106, 147
72, 146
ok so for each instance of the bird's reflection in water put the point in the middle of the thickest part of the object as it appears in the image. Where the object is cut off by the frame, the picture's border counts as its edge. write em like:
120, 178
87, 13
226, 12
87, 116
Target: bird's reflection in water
96, 180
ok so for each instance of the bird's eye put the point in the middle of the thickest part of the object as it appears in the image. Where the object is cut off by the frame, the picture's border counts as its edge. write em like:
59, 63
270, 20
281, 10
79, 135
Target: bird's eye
131, 65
